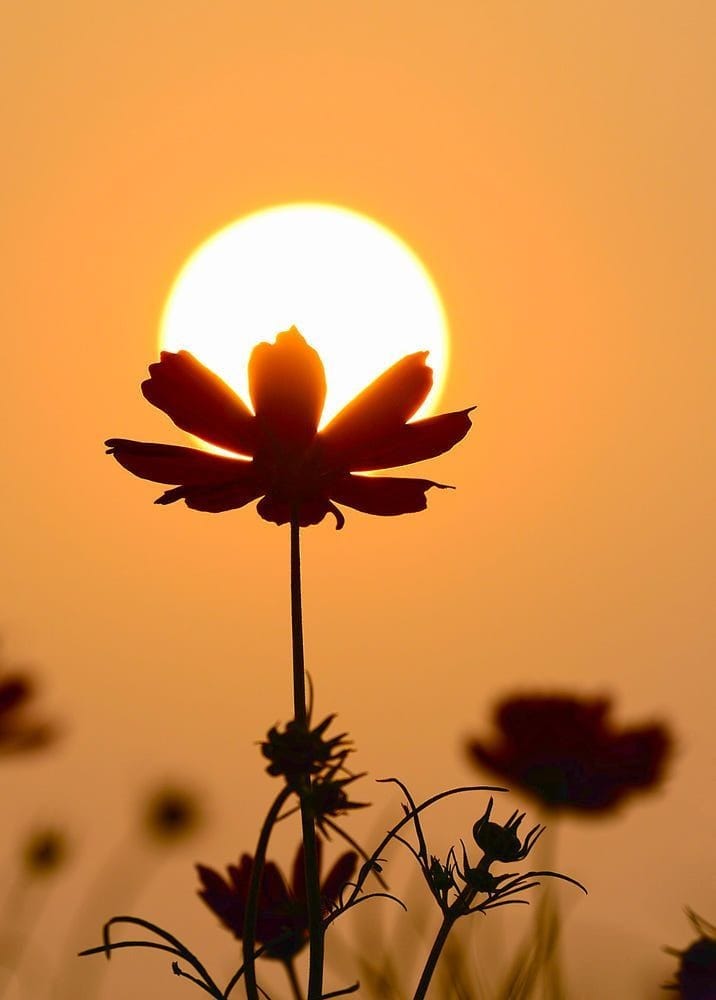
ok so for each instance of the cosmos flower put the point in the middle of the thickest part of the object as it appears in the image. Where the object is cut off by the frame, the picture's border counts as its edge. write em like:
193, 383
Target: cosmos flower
696, 975
44, 852
293, 466
566, 752
282, 924
18, 732
171, 814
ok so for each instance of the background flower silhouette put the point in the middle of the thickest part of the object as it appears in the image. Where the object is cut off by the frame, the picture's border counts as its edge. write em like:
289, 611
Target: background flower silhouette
566, 752
293, 465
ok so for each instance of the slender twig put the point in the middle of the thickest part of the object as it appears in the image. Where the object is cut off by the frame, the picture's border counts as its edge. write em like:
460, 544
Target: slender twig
310, 853
252, 900
290, 967
407, 818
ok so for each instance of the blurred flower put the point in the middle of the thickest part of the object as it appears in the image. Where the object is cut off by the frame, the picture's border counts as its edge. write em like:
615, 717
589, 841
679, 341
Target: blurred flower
696, 975
44, 852
293, 466
282, 924
18, 732
171, 814
566, 752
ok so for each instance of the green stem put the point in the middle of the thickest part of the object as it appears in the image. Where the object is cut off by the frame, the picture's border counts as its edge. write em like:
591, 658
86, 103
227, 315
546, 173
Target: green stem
310, 855
252, 901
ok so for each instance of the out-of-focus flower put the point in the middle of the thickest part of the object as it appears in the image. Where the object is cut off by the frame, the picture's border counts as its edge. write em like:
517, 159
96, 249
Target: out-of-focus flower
566, 752
696, 975
44, 852
282, 923
171, 814
19, 732
293, 467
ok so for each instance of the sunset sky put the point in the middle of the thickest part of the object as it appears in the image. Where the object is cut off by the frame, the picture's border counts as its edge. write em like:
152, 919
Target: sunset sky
552, 164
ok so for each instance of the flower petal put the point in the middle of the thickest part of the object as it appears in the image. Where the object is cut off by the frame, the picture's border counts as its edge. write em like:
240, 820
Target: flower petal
335, 881
213, 499
167, 463
379, 411
384, 495
309, 511
199, 402
288, 388
414, 442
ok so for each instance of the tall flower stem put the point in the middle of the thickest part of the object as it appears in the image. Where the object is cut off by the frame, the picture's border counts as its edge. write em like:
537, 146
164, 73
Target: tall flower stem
313, 888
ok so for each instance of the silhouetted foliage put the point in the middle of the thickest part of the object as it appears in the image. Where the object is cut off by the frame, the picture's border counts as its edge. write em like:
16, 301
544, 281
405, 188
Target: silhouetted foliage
566, 752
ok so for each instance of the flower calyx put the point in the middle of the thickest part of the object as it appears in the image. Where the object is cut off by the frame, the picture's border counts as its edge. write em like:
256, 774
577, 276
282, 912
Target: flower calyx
500, 842
297, 751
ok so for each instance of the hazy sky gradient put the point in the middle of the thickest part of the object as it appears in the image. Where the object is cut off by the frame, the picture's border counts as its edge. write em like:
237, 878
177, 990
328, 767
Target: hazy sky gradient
553, 164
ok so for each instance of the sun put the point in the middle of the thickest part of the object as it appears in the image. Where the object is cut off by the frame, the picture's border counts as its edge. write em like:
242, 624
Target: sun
354, 289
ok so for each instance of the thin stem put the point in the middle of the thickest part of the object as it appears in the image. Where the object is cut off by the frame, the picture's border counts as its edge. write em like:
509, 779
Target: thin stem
438, 945
310, 853
252, 901
290, 968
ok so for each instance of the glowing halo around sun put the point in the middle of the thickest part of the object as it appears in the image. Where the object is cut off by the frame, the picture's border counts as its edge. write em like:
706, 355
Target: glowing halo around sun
357, 293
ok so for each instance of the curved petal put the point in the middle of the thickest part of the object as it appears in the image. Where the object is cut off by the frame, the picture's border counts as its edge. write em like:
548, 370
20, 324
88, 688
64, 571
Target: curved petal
199, 402
213, 499
288, 388
414, 442
379, 411
309, 511
335, 881
383, 495
298, 871
168, 463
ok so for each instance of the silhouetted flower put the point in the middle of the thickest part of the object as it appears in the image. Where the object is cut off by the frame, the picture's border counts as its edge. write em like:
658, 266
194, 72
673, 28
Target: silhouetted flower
499, 841
171, 814
696, 975
18, 731
44, 852
293, 467
282, 923
566, 752
296, 750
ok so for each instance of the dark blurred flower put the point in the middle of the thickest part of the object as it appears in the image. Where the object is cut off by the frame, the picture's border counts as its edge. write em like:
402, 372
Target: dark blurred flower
282, 924
696, 975
18, 730
171, 814
44, 852
566, 752
293, 465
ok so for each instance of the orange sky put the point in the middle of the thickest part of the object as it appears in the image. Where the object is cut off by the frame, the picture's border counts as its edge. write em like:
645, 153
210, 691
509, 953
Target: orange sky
553, 166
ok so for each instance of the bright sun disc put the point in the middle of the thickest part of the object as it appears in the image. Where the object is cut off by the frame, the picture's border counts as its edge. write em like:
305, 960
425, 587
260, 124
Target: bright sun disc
357, 293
